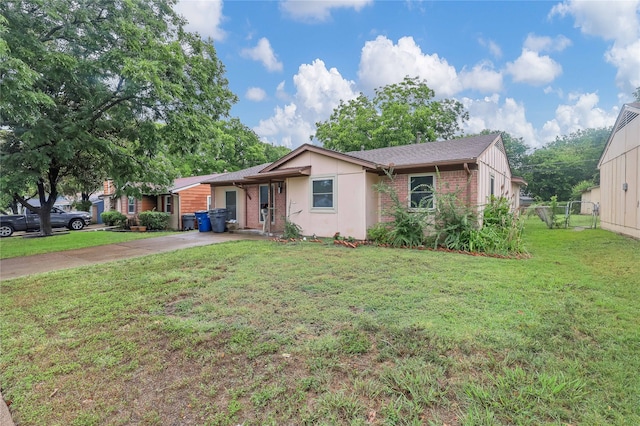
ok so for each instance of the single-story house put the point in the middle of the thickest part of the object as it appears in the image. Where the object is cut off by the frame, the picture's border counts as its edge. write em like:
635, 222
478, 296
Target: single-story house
620, 174
186, 196
325, 191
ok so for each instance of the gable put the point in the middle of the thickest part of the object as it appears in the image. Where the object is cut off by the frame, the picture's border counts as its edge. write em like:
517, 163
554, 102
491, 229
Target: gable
625, 134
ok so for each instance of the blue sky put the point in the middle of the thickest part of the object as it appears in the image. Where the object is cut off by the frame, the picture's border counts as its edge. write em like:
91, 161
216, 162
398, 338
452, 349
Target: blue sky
536, 69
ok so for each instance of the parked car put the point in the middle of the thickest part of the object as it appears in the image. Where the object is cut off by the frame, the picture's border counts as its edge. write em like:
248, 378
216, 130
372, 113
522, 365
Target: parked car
31, 221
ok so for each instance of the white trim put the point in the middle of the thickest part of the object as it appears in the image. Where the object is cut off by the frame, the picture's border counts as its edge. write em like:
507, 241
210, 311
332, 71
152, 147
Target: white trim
334, 194
433, 191
208, 202
170, 203
129, 205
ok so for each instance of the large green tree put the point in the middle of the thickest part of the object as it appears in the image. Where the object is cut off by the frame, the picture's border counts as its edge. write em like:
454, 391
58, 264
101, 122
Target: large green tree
559, 166
113, 84
396, 115
232, 146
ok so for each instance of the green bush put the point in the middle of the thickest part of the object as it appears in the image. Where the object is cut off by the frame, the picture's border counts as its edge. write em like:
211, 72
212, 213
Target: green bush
454, 222
408, 226
154, 220
291, 230
83, 206
379, 233
113, 218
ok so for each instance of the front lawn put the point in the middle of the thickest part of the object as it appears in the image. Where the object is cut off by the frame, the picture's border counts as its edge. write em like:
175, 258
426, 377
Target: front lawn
257, 332
19, 246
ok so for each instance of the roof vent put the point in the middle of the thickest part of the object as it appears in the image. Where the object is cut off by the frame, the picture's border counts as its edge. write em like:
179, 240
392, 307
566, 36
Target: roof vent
626, 119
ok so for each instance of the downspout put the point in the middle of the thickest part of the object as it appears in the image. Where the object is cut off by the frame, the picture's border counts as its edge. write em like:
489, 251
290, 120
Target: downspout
468, 171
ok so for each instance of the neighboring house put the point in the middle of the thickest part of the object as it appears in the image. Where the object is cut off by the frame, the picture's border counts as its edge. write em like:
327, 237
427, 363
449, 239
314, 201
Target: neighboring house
62, 202
186, 196
325, 191
620, 174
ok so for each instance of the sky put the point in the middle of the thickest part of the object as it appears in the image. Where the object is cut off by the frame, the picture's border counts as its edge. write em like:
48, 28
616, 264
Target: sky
535, 69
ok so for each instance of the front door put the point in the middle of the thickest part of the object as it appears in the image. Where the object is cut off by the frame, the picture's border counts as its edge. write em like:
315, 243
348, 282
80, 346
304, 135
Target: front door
264, 201
231, 205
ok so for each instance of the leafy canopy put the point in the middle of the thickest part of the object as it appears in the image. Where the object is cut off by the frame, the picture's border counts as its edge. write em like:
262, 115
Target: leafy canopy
86, 84
394, 116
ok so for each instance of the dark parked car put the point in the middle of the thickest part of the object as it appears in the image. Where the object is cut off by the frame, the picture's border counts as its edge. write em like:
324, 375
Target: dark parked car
31, 221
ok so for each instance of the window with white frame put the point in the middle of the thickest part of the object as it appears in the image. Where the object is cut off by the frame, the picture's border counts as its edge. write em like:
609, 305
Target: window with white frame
167, 203
131, 205
421, 191
208, 202
322, 193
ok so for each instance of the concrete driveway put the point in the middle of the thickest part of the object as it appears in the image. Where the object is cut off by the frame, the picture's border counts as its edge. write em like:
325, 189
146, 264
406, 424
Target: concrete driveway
39, 263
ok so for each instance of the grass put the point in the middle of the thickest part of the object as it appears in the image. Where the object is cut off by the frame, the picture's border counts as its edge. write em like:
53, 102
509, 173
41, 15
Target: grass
18, 246
256, 332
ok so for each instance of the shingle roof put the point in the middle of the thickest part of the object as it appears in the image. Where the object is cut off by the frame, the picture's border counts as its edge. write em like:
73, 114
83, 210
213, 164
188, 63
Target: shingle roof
238, 176
464, 149
184, 182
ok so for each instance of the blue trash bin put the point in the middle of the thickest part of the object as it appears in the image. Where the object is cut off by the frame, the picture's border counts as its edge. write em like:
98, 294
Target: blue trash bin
204, 224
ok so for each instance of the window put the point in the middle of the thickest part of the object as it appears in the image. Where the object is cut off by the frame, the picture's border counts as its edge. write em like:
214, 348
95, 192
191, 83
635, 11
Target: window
208, 202
167, 203
492, 184
421, 191
322, 193
131, 205
231, 205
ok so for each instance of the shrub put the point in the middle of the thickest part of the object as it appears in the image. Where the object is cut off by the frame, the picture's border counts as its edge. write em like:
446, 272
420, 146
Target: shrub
154, 220
83, 206
408, 226
113, 218
454, 222
379, 233
291, 230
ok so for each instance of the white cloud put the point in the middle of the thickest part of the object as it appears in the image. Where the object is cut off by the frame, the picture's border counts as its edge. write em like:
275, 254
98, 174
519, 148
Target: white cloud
493, 47
611, 20
618, 21
482, 78
313, 10
583, 114
489, 113
263, 53
546, 44
286, 127
318, 91
383, 63
255, 94
531, 68
203, 16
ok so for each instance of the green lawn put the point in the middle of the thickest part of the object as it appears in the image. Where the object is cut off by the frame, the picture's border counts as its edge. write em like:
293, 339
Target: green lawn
257, 332
18, 246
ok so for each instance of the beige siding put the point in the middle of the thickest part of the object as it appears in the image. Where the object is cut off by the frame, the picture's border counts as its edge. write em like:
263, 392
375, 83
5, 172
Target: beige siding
620, 167
588, 197
351, 194
493, 162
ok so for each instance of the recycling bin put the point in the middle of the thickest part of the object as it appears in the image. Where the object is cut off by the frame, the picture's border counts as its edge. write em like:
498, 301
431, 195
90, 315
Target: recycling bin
188, 222
218, 218
204, 224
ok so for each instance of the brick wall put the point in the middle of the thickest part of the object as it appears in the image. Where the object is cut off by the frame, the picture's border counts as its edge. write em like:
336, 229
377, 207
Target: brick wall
446, 182
253, 207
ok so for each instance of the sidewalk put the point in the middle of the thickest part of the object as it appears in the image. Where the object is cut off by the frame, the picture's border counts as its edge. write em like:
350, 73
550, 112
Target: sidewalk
40, 263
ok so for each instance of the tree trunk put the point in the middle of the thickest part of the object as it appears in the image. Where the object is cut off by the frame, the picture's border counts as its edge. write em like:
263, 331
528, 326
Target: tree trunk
45, 208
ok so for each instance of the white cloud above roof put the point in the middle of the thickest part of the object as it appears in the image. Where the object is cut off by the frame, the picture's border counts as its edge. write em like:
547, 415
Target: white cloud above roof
532, 68
319, 10
263, 53
482, 77
584, 113
618, 21
383, 63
